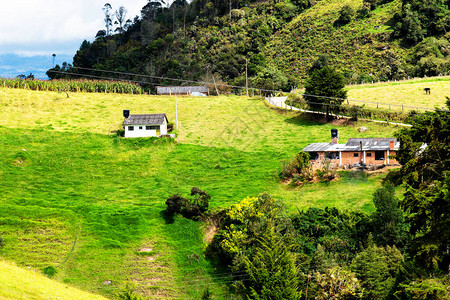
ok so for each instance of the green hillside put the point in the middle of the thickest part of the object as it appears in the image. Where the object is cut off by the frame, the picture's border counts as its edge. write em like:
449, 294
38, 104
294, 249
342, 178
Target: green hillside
19, 283
358, 48
275, 41
77, 197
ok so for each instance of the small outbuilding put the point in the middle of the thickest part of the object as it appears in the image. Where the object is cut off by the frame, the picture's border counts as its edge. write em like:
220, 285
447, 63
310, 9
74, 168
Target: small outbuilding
182, 90
364, 151
145, 125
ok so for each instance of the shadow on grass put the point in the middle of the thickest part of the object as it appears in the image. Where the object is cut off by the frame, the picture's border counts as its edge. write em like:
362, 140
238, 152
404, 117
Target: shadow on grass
167, 216
307, 119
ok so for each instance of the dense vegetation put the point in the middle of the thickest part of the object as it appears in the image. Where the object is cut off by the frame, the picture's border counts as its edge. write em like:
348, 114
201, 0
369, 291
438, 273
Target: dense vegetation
214, 41
400, 250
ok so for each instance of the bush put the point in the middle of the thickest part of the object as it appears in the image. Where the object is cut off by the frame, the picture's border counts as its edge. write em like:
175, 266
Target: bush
170, 126
189, 208
345, 15
50, 271
298, 168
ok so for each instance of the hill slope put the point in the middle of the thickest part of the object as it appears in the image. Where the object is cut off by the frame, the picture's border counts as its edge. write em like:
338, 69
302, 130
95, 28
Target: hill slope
18, 283
277, 41
69, 183
355, 48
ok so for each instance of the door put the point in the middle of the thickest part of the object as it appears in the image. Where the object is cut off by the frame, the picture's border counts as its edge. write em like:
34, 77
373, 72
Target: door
158, 130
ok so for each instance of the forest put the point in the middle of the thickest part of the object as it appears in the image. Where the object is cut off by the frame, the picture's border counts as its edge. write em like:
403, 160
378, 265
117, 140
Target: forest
275, 41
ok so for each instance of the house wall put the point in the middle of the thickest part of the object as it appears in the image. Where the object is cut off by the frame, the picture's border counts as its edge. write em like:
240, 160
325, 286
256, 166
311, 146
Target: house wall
348, 158
144, 132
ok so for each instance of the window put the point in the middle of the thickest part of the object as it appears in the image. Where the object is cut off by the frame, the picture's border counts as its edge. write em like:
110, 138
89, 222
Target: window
332, 155
379, 155
140, 127
355, 154
369, 154
130, 128
148, 127
313, 156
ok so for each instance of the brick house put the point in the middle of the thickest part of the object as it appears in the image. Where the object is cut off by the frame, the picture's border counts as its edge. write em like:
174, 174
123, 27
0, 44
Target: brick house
367, 151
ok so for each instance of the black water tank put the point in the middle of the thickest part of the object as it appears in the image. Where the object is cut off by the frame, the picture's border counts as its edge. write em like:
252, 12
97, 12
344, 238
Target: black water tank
126, 113
334, 133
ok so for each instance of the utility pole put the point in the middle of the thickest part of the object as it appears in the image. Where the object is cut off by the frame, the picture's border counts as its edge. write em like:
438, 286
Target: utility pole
176, 111
246, 77
230, 12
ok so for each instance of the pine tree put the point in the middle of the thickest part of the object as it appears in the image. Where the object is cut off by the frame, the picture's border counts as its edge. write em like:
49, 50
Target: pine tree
272, 273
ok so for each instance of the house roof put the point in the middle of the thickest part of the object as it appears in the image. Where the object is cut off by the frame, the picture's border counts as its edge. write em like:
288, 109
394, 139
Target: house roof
372, 143
166, 90
145, 119
354, 144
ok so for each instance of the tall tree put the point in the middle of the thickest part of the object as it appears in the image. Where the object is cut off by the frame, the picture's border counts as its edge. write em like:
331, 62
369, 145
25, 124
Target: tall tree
324, 88
388, 217
108, 18
272, 273
121, 15
425, 158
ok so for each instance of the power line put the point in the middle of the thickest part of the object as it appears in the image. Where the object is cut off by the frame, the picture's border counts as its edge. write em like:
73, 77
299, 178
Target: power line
240, 87
226, 85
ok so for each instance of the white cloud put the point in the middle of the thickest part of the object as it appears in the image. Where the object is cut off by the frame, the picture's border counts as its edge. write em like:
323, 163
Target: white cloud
40, 25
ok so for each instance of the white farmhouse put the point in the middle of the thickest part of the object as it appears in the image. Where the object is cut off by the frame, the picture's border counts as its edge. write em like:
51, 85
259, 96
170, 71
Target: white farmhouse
145, 125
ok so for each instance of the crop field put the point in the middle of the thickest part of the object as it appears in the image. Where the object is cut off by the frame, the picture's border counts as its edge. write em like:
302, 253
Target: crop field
77, 197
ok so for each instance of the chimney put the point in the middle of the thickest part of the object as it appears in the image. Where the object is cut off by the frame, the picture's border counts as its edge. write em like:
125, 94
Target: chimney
334, 136
126, 113
391, 144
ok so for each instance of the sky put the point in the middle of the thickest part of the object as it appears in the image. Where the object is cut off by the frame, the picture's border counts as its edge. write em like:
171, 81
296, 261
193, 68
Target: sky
46, 27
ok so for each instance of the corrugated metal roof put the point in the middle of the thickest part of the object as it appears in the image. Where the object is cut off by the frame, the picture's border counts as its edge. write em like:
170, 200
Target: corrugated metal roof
166, 90
145, 119
317, 147
372, 143
353, 144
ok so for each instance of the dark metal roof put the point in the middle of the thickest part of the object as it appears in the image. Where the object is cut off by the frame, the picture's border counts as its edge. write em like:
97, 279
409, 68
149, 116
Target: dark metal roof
168, 90
145, 119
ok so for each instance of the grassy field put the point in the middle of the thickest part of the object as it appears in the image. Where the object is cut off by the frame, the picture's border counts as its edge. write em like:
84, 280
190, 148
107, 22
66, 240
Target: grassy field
77, 197
410, 93
18, 283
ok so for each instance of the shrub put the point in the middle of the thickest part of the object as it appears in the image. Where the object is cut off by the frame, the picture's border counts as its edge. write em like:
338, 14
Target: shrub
127, 292
338, 283
377, 268
189, 208
432, 288
297, 167
345, 15
50, 271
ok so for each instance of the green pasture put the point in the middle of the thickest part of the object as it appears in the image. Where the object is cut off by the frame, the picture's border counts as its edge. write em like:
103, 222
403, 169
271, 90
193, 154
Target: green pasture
77, 197
19, 283
410, 93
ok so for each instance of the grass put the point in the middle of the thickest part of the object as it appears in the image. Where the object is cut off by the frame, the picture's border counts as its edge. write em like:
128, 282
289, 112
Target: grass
408, 92
19, 283
80, 199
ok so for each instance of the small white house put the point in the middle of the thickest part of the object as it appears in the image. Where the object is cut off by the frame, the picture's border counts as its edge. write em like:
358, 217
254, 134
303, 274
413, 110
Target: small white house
145, 125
